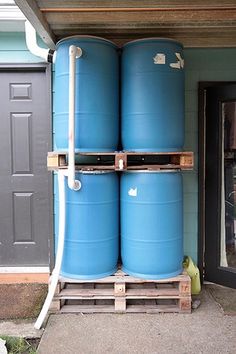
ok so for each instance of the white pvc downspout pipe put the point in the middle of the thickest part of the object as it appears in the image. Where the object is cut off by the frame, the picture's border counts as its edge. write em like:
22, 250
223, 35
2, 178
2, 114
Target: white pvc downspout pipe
31, 42
74, 184
74, 52
60, 249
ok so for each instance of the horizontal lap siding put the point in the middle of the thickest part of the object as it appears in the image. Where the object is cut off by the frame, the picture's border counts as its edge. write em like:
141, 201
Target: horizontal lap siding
13, 49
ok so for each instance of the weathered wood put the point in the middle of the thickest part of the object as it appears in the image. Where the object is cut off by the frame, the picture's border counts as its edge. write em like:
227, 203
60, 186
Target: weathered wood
191, 37
36, 18
131, 3
135, 9
120, 276
128, 294
145, 18
129, 309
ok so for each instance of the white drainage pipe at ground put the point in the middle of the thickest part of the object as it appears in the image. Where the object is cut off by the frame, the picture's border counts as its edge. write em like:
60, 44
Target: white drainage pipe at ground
60, 249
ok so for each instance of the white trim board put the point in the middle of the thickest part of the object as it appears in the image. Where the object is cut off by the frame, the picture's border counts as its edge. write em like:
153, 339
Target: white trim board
8, 270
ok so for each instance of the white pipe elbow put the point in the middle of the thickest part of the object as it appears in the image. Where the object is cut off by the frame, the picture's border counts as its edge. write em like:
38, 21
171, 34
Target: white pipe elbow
31, 42
73, 183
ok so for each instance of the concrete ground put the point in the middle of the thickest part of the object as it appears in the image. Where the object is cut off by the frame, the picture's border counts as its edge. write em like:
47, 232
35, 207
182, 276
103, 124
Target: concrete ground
206, 330
19, 328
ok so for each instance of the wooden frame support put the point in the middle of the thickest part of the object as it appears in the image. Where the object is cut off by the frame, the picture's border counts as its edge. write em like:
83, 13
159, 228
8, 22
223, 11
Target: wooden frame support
32, 12
122, 161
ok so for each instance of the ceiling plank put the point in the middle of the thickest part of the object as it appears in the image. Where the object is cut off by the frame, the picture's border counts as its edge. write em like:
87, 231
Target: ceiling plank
191, 38
144, 18
37, 19
130, 3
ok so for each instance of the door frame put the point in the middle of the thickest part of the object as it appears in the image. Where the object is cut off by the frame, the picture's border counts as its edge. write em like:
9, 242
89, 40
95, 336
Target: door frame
202, 87
47, 69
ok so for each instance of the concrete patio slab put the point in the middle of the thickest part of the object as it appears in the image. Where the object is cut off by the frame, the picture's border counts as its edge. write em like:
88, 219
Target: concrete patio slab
206, 330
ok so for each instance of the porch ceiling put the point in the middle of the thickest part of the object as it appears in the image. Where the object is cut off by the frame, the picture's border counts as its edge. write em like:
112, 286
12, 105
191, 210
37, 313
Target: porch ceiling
205, 23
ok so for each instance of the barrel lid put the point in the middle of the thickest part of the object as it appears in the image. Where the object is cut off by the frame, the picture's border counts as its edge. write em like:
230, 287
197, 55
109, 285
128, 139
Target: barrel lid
84, 37
151, 39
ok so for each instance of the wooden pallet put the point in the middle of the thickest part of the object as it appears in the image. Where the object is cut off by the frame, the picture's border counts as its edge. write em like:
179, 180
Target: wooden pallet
122, 161
121, 293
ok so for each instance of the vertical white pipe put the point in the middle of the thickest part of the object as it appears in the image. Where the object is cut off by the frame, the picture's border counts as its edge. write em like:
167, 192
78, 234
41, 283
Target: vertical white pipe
74, 52
60, 250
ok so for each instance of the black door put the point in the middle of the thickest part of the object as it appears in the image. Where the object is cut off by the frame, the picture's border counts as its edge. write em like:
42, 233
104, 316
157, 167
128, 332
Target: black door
25, 183
220, 185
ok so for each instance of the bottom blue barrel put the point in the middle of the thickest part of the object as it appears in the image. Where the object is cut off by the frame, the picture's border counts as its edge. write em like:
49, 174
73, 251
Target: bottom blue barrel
152, 224
92, 226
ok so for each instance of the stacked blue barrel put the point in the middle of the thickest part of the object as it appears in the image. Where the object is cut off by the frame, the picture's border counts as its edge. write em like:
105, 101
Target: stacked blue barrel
152, 120
92, 214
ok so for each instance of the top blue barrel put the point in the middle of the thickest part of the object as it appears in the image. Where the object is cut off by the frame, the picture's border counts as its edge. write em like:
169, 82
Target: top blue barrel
153, 95
96, 95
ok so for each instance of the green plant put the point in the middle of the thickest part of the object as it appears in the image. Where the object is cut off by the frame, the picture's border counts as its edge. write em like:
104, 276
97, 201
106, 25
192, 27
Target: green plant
18, 345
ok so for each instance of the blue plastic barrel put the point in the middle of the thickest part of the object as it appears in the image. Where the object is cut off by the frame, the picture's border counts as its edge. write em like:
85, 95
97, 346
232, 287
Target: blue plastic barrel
152, 224
152, 95
92, 226
97, 91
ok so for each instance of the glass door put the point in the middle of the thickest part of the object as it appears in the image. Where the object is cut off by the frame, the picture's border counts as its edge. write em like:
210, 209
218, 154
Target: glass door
228, 186
220, 185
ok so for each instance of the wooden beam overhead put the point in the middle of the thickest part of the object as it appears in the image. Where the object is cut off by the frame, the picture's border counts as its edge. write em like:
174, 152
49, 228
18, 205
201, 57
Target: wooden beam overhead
138, 9
36, 18
131, 3
145, 18
203, 23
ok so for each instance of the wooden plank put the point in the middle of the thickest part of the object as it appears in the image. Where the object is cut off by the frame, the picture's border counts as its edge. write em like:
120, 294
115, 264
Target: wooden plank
110, 309
74, 293
145, 18
132, 9
131, 3
190, 37
171, 293
127, 279
36, 18
120, 304
185, 304
21, 278
87, 308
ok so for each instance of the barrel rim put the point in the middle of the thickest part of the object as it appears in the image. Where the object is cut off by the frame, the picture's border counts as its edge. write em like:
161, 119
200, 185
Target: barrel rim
152, 171
162, 39
95, 172
82, 36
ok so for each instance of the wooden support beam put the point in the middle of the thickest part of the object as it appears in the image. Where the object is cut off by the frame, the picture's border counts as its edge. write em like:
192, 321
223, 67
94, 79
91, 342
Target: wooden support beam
138, 9
131, 19
132, 3
36, 18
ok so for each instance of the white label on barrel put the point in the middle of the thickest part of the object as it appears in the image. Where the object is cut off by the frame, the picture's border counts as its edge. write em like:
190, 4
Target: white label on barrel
179, 64
159, 58
133, 192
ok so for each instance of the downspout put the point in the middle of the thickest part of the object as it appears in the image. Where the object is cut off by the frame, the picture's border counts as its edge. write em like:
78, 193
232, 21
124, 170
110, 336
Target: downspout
47, 55
31, 42
60, 249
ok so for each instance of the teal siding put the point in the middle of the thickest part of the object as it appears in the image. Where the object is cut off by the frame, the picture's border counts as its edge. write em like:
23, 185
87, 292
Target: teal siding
13, 49
201, 65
